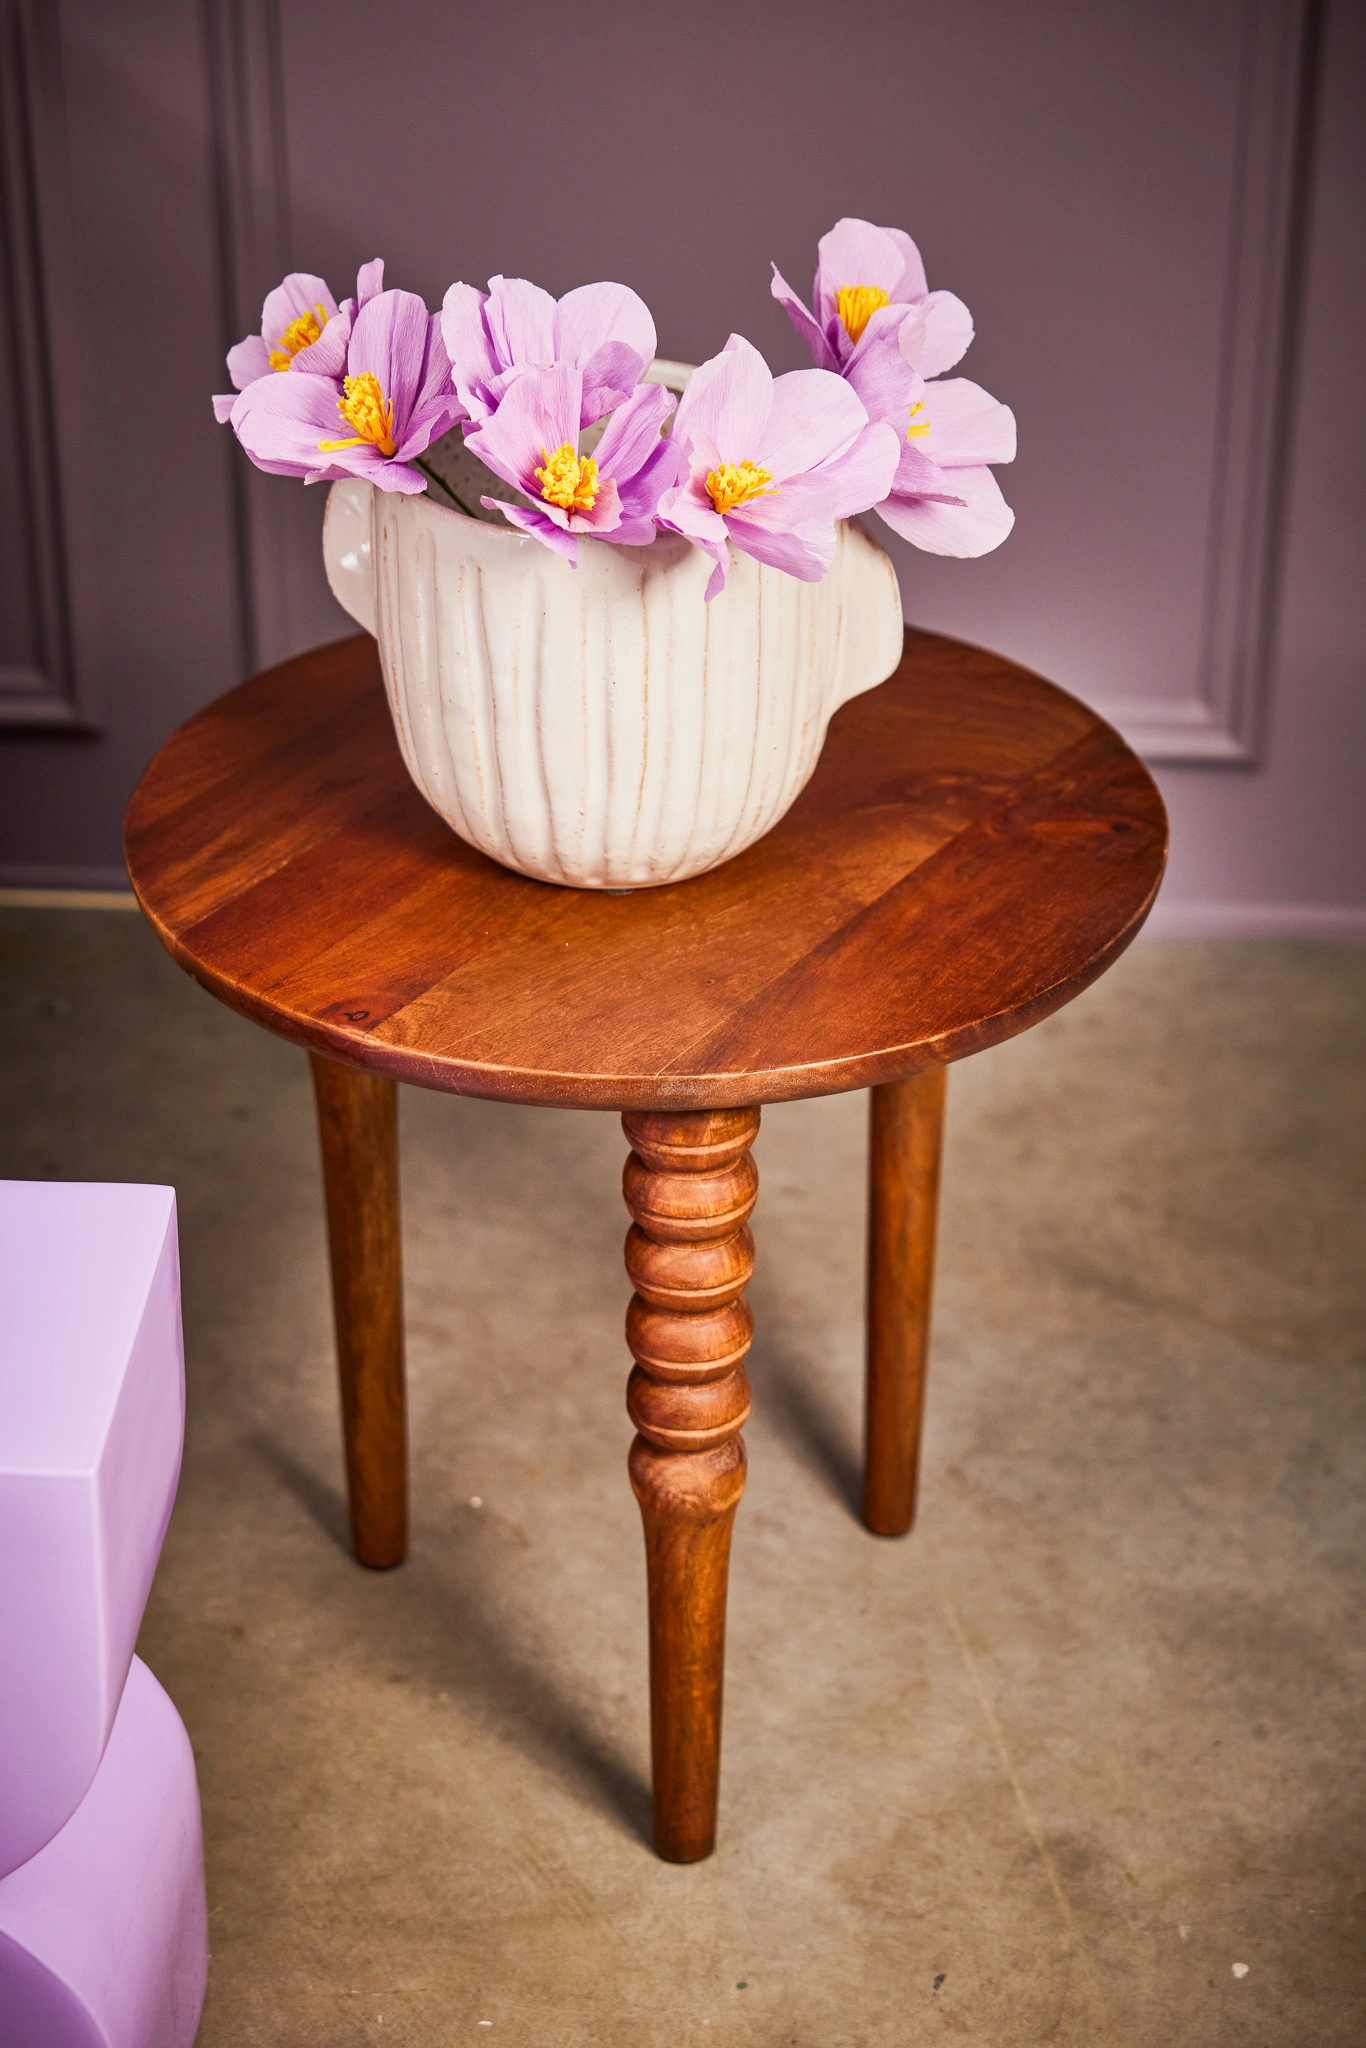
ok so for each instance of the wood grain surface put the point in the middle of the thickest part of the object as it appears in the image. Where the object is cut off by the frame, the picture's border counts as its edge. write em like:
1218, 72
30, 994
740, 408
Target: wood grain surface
974, 848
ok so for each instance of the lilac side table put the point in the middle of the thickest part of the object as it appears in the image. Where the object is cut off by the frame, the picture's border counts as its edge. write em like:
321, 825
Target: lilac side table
102, 1918
92, 1414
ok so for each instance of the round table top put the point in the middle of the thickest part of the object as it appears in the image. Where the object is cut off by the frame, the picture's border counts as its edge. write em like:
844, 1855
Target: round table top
974, 848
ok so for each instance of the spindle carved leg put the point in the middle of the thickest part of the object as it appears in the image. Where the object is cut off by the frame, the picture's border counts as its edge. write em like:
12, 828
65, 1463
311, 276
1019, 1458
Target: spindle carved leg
690, 1184
358, 1127
905, 1130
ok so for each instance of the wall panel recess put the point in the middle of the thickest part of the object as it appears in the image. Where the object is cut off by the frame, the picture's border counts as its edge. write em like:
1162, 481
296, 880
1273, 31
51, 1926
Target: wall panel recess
41, 679
1223, 717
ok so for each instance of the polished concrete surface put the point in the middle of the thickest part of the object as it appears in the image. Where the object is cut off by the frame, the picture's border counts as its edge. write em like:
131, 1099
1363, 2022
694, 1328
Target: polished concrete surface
1078, 1762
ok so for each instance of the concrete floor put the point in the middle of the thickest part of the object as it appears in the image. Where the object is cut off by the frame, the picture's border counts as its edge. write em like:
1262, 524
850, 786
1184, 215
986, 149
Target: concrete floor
1079, 1762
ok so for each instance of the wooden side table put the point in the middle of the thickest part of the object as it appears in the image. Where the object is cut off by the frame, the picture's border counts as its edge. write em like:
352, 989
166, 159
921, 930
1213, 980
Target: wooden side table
974, 848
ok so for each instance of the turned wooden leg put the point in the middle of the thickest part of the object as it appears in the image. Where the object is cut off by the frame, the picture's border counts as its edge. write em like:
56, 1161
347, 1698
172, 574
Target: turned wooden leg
690, 1184
906, 1122
358, 1126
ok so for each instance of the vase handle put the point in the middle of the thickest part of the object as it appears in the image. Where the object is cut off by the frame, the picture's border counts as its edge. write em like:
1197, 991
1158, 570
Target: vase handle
873, 629
347, 553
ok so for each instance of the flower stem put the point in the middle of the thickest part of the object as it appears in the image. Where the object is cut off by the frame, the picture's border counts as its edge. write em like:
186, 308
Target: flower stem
437, 478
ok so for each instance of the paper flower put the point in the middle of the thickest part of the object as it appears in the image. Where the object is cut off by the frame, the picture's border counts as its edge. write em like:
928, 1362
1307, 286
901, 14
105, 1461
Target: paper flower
302, 328
876, 323
532, 442
604, 330
392, 401
867, 280
771, 463
943, 497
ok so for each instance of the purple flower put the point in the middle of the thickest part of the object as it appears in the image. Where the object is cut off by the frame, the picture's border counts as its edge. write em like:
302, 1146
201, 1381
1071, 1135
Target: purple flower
393, 400
302, 328
886, 336
532, 441
867, 280
604, 330
943, 498
771, 464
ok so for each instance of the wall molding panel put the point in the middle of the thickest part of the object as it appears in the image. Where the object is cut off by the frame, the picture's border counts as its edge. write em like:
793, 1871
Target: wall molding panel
249, 144
1224, 718
41, 681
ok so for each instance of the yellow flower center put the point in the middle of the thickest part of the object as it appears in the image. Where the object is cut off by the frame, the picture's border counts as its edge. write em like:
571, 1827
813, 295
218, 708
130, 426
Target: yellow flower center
857, 304
917, 427
364, 409
300, 333
734, 483
567, 480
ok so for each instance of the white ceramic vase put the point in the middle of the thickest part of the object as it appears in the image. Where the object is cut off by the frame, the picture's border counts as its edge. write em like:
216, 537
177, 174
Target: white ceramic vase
602, 726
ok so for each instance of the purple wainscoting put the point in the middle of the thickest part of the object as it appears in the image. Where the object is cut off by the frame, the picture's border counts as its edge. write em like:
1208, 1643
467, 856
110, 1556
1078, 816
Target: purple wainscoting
1169, 302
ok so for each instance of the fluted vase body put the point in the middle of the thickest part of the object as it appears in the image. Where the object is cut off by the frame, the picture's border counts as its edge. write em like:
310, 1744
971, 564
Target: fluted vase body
602, 726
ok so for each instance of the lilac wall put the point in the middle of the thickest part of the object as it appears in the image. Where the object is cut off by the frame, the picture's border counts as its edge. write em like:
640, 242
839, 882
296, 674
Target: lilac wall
1072, 171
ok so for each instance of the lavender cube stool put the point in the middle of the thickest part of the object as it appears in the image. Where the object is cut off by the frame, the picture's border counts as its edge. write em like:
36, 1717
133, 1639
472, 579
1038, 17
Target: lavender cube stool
103, 1934
91, 1419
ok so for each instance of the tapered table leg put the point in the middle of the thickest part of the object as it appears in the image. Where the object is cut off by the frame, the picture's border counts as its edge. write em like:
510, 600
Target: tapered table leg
905, 1131
690, 1184
358, 1127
